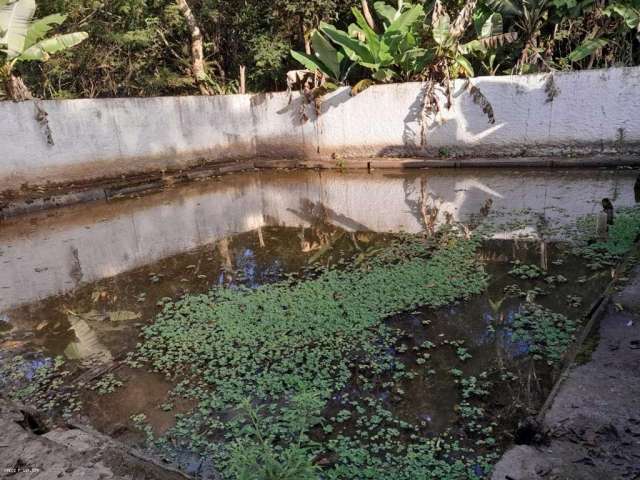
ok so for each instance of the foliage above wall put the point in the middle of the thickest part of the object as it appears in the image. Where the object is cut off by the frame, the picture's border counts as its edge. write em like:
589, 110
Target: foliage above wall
175, 47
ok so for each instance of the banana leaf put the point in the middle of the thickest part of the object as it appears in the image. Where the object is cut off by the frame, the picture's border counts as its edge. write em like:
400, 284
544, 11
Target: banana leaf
506, 7
465, 65
587, 48
328, 55
371, 37
41, 50
442, 31
406, 20
386, 12
493, 26
39, 28
630, 15
311, 63
14, 25
355, 50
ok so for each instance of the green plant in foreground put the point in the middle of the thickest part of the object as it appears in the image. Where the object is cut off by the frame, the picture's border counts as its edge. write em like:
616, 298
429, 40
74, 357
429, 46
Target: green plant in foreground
326, 59
548, 334
42, 384
258, 458
22, 39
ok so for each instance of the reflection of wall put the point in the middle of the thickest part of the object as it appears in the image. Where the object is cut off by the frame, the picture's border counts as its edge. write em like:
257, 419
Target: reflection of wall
591, 112
51, 253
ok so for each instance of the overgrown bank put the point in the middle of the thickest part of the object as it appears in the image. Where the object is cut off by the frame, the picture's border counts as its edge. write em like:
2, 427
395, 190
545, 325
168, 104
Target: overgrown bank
188, 47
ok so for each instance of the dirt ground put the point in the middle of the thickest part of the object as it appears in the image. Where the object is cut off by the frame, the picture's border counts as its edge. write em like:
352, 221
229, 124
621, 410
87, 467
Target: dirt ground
594, 422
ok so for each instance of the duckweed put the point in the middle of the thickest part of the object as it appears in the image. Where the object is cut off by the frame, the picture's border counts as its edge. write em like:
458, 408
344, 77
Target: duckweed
261, 350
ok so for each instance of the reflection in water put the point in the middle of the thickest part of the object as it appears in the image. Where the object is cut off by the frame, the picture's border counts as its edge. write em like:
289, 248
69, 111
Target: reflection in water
180, 242
51, 253
86, 345
481, 324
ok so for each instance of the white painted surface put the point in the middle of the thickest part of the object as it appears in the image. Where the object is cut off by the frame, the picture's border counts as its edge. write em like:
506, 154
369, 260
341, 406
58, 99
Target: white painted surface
595, 111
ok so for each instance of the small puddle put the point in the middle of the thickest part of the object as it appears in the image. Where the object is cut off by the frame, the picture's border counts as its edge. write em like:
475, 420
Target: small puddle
80, 283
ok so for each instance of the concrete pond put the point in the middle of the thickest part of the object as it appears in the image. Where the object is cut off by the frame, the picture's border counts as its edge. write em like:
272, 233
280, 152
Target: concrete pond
371, 325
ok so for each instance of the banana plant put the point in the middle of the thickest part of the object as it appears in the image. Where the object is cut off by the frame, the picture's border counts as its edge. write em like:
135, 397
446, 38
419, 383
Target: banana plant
490, 38
628, 11
529, 16
23, 39
393, 53
396, 52
448, 48
326, 59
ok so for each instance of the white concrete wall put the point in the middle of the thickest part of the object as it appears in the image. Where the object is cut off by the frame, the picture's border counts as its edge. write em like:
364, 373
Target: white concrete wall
595, 111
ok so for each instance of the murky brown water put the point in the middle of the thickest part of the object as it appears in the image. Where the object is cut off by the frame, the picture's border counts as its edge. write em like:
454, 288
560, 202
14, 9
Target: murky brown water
81, 281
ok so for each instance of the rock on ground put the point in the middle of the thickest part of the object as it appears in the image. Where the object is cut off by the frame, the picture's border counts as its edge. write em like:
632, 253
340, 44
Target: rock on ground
69, 454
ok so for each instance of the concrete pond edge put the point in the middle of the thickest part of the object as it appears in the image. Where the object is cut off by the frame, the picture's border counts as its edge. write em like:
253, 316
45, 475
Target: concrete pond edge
29, 199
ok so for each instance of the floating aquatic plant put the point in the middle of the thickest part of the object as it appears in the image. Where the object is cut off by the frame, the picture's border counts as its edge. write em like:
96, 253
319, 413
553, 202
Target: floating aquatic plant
277, 342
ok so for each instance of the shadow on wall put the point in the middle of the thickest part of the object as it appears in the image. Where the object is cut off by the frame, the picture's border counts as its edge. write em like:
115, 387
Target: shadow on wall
481, 116
469, 117
302, 109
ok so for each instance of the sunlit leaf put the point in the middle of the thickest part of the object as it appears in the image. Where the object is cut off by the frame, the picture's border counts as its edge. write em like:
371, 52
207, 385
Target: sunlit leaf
387, 12
41, 50
310, 62
587, 48
442, 30
39, 28
14, 25
326, 53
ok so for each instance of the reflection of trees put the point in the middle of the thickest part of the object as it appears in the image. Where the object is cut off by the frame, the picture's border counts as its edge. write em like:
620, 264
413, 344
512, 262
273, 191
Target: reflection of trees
225, 254
318, 215
326, 227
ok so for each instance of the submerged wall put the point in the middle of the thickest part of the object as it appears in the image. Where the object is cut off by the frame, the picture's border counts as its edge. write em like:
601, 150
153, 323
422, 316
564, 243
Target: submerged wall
575, 113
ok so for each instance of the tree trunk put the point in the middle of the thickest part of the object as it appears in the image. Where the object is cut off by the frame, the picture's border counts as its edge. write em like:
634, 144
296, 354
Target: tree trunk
367, 15
243, 79
16, 89
197, 55
305, 38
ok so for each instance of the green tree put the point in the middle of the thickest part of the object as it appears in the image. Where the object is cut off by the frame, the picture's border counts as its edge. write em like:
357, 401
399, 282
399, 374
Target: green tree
23, 40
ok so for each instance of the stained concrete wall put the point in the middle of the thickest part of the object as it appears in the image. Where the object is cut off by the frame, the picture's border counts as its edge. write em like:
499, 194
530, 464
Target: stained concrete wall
574, 113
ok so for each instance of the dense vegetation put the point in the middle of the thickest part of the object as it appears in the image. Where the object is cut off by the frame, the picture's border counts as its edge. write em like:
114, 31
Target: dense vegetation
152, 47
